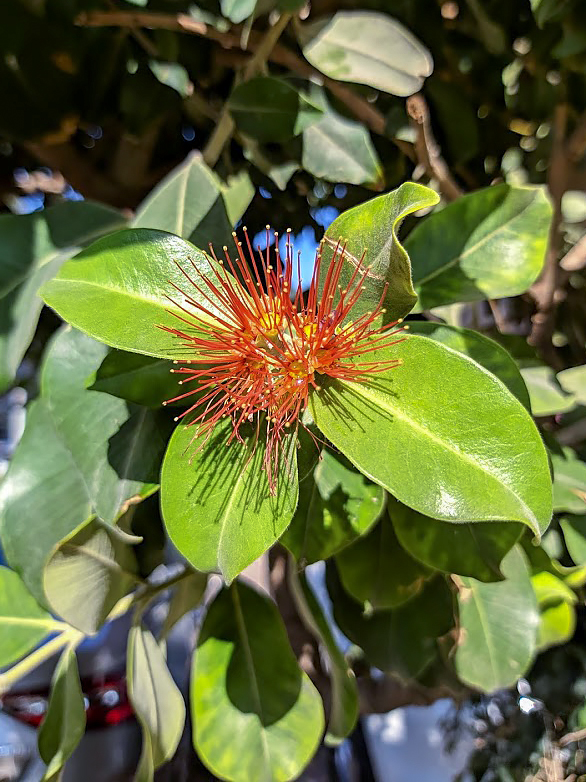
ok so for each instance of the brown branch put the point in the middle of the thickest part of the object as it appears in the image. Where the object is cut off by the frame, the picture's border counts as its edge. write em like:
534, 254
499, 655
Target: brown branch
544, 290
427, 148
280, 55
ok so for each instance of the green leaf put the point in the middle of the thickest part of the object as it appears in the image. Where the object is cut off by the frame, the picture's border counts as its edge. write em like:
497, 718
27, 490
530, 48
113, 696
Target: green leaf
187, 595
573, 381
116, 290
87, 573
35, 246
256, 715
237, 10
498, 627
463, 450
269, 109
64, 724
145, 380
156, 700
366, 47
23, 623
82, 453
372, 227
188, 202
30, 242
479, 348
378, 572
547, 398
336, 505
467, 549
556, 608
216, 501
569, 483
344, 696
172, 75
237, 192
401, 641
487, 244
340, 150
574, 529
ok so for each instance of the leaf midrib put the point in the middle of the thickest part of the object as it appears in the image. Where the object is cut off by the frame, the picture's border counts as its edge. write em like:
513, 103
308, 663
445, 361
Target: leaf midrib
362, 390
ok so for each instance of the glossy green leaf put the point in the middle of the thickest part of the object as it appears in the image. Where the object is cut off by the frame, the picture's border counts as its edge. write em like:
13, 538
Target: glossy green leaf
336, 505
556, 608
216, 501
82, 453
30, 242
87, 573
23, 623
256, 715
116, 290
574, 529
368, 48
557, 624
64, 724
237, 192
401, 641
463, 450
33, 249
547, 398
344, 696
569, 483
467, 549
378, 572
188, 202
156, 700
487, 244
340, 150
573, 381
144, 380
481, 349
187, 595
498, 627
372, 227
173, 75
270, 109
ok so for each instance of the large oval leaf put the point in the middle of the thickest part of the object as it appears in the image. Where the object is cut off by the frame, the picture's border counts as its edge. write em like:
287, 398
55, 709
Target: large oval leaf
188, 202
216, 501
487, 244
116, 290
336, 505
467, 549
498, 626
372, 227
481, 349
443, 435
377, 571
368, 48
257, 716
569, 484
547, 397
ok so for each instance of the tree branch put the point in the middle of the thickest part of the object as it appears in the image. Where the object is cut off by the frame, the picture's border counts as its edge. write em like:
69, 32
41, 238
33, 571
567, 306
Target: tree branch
280, 55
427, 148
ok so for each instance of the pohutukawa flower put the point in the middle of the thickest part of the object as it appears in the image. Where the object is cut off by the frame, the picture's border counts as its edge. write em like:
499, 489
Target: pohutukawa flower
259, 347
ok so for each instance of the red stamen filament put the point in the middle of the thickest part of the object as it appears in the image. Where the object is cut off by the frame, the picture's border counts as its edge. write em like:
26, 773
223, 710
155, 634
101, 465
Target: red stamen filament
258, 348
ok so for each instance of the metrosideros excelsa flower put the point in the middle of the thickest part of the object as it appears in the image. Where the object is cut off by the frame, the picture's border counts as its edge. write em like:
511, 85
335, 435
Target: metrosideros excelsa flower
260, 346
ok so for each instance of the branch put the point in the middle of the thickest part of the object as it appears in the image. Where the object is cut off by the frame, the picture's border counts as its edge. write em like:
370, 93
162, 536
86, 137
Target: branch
427, 148
280, 55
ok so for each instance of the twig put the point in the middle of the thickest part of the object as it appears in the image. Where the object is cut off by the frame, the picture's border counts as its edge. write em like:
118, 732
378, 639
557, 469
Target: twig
280, 55
225, 127
427, 149
571, 738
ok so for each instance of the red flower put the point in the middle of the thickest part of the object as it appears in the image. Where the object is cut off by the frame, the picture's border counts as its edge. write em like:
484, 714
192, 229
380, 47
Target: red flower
259, 347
